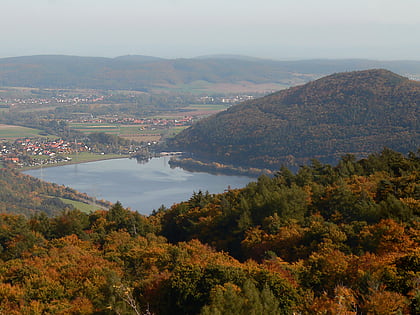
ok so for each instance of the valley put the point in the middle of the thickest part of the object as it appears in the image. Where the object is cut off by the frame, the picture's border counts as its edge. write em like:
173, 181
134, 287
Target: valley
328, 222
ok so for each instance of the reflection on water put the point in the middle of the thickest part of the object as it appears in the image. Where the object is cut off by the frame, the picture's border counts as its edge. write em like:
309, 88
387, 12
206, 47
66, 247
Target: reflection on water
141, 186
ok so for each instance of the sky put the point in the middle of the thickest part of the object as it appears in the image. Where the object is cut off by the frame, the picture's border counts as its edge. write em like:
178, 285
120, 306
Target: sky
275, 29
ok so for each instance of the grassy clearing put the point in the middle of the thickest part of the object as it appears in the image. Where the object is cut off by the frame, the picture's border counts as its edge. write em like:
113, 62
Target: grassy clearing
84, 207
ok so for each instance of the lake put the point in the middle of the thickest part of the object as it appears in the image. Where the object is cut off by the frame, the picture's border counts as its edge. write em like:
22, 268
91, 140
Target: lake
139, 186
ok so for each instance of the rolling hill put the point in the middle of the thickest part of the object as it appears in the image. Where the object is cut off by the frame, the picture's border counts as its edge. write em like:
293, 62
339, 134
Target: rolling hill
345, 113
145, 73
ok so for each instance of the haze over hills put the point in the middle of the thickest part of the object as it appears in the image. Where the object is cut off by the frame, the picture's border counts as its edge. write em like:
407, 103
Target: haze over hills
146, 73
344, 113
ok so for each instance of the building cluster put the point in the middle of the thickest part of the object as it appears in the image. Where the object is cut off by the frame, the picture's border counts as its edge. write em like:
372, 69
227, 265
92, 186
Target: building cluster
236, 99
50, 100
33, 152
143, 122
224, 99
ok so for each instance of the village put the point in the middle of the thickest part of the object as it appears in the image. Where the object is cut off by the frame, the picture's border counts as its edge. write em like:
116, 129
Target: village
49, 100
145, 123
54, 98
142, 131
36, 152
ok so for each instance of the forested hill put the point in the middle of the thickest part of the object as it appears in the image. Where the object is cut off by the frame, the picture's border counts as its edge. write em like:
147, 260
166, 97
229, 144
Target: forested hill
353, 112
341, 239
144, 72
27, 195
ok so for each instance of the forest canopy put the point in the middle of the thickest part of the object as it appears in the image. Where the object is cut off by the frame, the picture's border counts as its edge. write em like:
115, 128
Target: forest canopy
323, 240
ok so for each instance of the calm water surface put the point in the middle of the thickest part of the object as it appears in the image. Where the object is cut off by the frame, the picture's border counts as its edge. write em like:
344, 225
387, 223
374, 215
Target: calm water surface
141, 187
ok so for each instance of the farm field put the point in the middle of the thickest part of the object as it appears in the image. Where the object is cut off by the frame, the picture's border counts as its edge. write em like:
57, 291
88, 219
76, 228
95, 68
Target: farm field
195, 110
131, 132
201, 86
95, 127
11, 132
207, 107
116, 129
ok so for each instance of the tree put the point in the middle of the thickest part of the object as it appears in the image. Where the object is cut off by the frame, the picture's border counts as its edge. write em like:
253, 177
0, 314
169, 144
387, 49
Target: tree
382, 302
231, 299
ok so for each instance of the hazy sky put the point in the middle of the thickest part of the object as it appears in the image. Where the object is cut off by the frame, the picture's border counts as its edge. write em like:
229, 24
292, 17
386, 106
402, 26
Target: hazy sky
277, 29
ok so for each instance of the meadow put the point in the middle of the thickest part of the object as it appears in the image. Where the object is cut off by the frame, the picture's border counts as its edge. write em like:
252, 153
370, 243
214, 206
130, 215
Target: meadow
84, 207
131, 132
11, 132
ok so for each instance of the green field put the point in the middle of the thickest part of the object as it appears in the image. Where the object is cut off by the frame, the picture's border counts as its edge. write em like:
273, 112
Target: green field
207, 107
173, 132
128, 130
133, 132
81, 157
93, 126
84, 207
107, 128
10, 132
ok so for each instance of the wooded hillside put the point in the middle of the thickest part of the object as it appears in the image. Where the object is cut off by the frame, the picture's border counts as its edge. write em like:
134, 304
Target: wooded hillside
26, 195
326, 239
346, 113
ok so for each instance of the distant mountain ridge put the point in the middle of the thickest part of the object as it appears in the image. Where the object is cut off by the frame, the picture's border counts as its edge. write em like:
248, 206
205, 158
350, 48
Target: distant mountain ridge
345, 113
145, 72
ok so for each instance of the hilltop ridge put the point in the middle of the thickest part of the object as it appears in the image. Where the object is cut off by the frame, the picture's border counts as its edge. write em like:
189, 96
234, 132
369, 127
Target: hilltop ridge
136, 72
344, 113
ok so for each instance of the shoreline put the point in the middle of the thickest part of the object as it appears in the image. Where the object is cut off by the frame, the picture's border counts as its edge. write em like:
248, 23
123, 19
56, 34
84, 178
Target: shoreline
73, 162
186, 164
216, 168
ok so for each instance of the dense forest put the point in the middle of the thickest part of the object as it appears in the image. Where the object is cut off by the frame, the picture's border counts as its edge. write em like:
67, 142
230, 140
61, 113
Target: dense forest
326, 239
353, 112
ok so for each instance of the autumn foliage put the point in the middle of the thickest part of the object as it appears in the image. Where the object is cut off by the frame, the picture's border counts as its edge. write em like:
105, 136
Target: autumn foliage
323, 240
